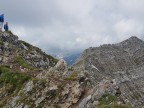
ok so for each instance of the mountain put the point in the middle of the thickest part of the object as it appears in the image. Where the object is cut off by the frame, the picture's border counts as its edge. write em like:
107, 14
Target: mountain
109, 76
14, 50
123, 63
30, 78
71, 59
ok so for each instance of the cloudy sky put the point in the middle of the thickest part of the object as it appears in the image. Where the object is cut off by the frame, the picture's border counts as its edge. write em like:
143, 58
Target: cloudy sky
69, 26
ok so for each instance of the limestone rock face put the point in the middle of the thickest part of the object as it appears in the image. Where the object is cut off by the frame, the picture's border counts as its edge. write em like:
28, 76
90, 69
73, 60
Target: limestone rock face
85, 102
12, 49
50, 93
35, 59
28, 86
123, 62
105, 76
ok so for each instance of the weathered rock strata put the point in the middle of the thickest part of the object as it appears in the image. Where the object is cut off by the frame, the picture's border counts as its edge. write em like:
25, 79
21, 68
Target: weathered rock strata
105, 76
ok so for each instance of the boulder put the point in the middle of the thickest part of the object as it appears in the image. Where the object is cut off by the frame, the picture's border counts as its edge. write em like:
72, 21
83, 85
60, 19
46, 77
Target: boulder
84, 102
61, 65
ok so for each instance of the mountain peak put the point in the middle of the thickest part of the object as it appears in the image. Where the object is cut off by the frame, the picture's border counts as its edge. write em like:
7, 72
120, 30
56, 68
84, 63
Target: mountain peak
133, 40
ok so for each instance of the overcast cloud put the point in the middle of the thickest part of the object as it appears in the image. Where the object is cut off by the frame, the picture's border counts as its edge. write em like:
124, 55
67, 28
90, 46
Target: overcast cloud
68, 26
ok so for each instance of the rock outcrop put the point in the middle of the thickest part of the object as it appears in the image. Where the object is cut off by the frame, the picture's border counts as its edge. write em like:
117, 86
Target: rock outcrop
49, 93
109, 76
61, 65
123, 62
14, 50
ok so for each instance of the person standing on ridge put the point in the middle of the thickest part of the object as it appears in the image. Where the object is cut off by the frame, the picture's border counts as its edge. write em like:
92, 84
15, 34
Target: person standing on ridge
6, 26
1, 21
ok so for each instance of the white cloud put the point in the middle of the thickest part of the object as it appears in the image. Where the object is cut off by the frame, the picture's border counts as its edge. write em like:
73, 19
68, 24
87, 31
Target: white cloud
67, 26
128, 27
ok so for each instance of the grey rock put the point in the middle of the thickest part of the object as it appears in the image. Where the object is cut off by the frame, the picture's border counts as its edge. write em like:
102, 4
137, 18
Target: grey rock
29, 86
85, 102
123, 62
61, 65
11, 47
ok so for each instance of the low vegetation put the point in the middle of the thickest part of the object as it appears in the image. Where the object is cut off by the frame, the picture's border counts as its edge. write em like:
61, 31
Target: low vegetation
73, 76
12, 80
114, 105
1, 43
21, 62
107, 99
110, 101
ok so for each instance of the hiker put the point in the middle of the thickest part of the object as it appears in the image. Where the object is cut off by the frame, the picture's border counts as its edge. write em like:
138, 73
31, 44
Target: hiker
6, 26
1, 21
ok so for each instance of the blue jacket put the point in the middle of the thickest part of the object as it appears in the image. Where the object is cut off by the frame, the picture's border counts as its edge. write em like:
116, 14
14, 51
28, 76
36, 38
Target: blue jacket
6, 27
2, 18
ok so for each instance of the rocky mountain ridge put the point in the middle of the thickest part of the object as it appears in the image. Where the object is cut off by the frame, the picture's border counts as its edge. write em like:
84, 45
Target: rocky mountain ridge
109, 76
12, 49
122, 62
